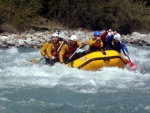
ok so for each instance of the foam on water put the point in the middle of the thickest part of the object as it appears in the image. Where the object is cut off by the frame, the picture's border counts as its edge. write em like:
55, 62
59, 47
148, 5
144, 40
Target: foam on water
18, 72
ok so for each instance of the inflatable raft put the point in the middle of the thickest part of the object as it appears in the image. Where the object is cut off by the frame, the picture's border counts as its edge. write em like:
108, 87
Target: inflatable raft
96, 60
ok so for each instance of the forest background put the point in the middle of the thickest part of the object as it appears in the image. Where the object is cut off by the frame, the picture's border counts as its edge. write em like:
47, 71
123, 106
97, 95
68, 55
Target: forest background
125, 16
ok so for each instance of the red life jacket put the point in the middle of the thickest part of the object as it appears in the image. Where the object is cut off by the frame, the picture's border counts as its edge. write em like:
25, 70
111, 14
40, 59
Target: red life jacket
71, 50
95, 47
54, 51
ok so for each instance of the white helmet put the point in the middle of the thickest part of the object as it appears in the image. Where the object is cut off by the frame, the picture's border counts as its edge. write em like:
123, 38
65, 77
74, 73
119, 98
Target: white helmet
117, 37
55, 34
74, 38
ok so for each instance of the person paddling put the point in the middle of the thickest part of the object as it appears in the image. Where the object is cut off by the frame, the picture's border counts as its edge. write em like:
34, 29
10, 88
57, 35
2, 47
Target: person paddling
67, 50
52, 49
43, 50
107, 37
118, 45
95, 43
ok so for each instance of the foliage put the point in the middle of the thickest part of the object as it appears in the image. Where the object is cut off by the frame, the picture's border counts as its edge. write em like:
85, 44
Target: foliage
19, 13
123, 15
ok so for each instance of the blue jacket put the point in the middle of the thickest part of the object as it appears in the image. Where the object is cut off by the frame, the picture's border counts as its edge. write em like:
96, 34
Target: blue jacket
110, 38
108, 42
121, 46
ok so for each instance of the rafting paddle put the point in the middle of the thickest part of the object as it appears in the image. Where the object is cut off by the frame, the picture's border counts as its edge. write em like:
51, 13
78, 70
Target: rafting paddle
35, 60
74, 53
131, 64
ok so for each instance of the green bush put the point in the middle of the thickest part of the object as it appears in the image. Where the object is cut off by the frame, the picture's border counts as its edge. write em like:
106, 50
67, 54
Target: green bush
19, 13
125, 16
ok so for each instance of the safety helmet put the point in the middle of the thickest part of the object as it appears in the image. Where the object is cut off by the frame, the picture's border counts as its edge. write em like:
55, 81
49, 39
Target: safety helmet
97, 33
73, 37
55, 35
117, 36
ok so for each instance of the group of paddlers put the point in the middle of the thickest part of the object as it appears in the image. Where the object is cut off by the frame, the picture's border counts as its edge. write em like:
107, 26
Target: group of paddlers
64, 51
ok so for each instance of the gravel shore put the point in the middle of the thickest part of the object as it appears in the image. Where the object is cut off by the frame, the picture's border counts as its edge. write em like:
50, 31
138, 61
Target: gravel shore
37, 39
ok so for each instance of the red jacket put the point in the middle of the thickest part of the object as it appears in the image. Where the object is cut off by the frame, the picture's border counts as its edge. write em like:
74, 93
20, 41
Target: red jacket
103, 37
71, 50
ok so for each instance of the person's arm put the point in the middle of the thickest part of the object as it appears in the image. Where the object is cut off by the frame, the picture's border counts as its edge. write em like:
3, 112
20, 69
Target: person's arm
91, 42
62, 52
49, 50
80, 44
124, 49
43, 49
103, 36
101, 44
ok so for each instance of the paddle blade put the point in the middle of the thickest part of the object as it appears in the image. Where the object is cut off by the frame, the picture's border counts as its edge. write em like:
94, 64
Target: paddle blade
131, 64
34, 60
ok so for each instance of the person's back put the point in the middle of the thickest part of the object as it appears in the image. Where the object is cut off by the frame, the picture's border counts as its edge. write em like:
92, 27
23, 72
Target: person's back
107, 38
108, 43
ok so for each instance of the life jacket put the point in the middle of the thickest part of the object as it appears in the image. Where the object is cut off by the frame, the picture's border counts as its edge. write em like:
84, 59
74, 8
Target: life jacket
71, 50
95, 47
54, 51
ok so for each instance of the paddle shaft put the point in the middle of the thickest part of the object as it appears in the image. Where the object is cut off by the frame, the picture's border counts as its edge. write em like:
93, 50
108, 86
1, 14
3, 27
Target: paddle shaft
41, 58
129, 58
60, 46
132, 65
36, 60
75, 52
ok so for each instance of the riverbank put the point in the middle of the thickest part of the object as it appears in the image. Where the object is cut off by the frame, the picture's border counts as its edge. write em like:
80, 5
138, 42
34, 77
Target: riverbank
35, 39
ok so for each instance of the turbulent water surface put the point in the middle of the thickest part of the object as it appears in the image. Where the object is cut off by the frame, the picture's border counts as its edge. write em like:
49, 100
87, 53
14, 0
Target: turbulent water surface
37, 88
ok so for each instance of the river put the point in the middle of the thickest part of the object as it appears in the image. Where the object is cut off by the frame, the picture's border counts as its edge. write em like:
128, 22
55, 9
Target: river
37, 88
